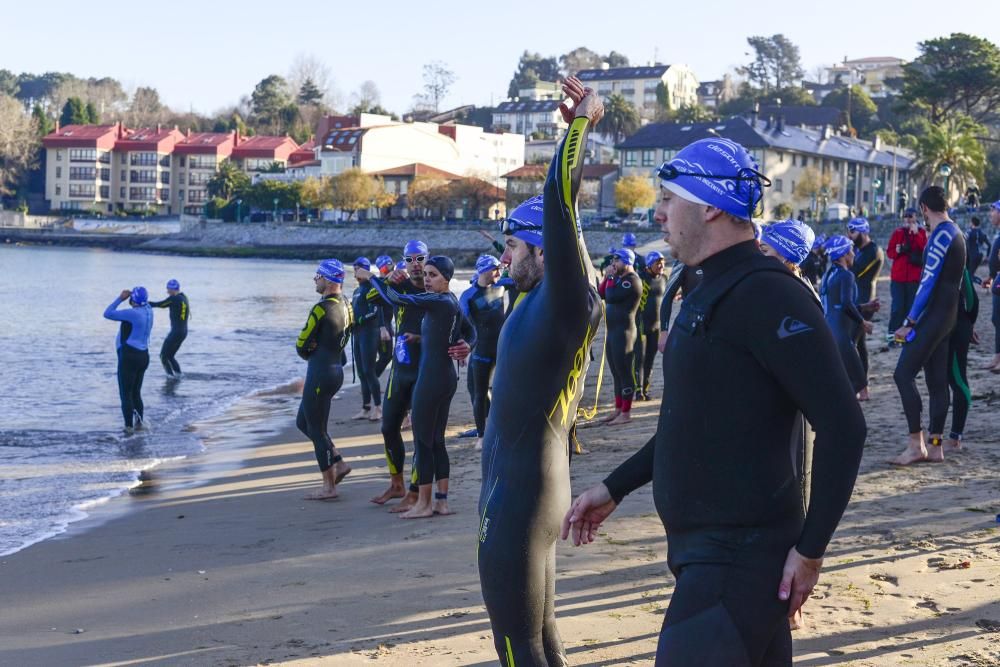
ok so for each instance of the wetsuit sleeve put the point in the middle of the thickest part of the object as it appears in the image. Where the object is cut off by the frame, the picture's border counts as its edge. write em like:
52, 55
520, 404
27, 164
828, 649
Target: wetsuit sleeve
424, 300
846, 285
635, 472
676, 278
809, 368
467, 331
161, 304
567, 266
465, 303
894, 240
309, 336
929, 276
123, 315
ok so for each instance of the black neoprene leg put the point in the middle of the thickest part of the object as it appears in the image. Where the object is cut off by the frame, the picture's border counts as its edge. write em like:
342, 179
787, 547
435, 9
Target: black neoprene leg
905, 376
481, 373
996, 323
442, 465
639, 358
961, 395
424, 417
168, 353
936, 378
322, 382
398, 392
648, 357
125, 373
142, 363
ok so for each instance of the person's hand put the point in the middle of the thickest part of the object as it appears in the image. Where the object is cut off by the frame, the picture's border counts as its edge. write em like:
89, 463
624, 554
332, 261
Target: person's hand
397, 276
868, 326
587, 513
986, 284
876, 305
975, 337
384, 335
411, 338
459, 351
590, 107
661, 343
125, 295
902, 333
575, 91
798, 579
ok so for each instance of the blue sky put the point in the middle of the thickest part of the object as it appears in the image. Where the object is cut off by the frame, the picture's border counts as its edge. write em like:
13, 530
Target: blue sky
205, 55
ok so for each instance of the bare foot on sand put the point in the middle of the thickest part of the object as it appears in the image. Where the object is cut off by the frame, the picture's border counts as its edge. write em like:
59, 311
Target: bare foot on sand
419, 511
440, 507
364, 414
389, 494
915, 452
407, 503
953, 445
324, 493
340, 471
479, 444
623, 418
935, 452
376, 414
611, 417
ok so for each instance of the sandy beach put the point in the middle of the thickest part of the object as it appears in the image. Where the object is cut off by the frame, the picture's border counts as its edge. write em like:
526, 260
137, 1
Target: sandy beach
217, 559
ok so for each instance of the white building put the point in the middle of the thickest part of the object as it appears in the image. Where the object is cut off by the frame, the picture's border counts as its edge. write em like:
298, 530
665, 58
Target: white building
638, 85
879, 76
532, 118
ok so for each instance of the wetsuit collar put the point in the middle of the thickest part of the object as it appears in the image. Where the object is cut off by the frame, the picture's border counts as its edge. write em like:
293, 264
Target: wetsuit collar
723, 260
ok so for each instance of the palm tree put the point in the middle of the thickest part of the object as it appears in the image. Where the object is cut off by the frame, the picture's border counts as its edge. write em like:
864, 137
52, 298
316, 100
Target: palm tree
953, 142
620, 118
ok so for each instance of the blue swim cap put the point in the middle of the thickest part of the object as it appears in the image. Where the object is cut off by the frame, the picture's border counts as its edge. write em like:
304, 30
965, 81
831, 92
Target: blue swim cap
653, 256
525, 221
139, 296
625, 255
442, 264
628, 240
838, 246
332, 270
819, 241
383, 261
363, 263
173, 284
859, 225
716, 172
995, 205
415, 248
791, 238
400, 265
913, 211
486, 263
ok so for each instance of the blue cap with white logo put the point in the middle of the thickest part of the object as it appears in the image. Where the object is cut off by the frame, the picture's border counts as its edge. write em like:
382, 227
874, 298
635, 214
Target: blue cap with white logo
139, 296
332, 270
486, 263
838, 246
173, 284
525, 221
415, 248
383, 261
628, 240
859, 225
653, 256
400, 265
625, 255
363, 263
790, 238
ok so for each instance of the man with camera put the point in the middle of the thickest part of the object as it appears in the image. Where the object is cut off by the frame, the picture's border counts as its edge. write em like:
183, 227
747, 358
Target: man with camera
906, 250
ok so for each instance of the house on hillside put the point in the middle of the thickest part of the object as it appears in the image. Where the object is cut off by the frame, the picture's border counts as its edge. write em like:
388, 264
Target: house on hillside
638, 85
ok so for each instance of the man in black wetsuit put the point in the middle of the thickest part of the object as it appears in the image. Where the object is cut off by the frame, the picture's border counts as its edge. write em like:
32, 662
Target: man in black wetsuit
926, 330
321, 342
180, 313
654, 286
622, 291
814, 265
744, 354
483, 305
868, 261
368, 324
537, 388
992, 282
975, 241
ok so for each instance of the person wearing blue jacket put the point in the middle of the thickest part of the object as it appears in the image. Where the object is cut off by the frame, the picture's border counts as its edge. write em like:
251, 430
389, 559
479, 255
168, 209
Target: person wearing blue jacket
132, 344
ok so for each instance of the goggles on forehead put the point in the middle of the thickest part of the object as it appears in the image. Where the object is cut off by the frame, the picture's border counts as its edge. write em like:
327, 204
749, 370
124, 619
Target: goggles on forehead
754, 181
512, 225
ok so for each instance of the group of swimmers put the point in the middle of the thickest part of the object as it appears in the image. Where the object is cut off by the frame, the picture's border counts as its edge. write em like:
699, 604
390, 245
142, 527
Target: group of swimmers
132, 344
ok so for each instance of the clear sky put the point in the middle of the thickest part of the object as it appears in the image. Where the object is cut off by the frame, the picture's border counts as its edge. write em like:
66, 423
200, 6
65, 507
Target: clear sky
204, 55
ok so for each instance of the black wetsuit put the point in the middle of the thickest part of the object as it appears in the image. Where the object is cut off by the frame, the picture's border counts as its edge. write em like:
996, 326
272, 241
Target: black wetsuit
994, 269
386, 349
484, 308
180, 313
622, 295
321, 342
727, 489
368, 313
839, 293
958, 356
974, 244
437, 377
866, 269
935, 310
683, 280
648, 323
544, 352
813, 267
402, 378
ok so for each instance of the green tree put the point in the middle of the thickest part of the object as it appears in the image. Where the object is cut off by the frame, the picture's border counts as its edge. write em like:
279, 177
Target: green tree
694, 113
93, 117
19, 146
782, 211
74, 113
354, 190
261, 195
955, 142
270, 100
532, 68
620, 118
578, 59
615, 59
776, 63
632, 192
427, 196
857, 108
310, 93
474, 196
8, 83
43, 123
955, 74
228, 182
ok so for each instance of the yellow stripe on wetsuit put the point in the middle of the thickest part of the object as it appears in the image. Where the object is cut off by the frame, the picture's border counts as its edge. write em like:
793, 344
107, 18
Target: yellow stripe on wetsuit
571, 158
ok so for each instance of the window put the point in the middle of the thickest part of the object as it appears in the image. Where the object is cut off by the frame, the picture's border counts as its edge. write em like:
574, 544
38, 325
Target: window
124, 176
142, 176
82, 173
105, 192
165, 161
778, 185
781, 157
82, 154
104, 157
84, 190
794, 160
630, 158
182, 158
142, 194
143, 159
867, 174
165, 194
121, 193
201, 162
180, 196
197, 195
58, 190
105, 175
67, 205
58, 172
793, 187
403, 185
165, 177
58, 156
648, 158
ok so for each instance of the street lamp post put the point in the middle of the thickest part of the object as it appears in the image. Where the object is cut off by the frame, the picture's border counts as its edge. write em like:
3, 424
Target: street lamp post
945, 170
824, 193
274, 214
239, 205
876, 184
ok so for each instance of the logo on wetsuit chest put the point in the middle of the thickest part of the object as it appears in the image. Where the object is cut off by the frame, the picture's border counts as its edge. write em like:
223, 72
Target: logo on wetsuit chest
791, 327
573, 383
935, 255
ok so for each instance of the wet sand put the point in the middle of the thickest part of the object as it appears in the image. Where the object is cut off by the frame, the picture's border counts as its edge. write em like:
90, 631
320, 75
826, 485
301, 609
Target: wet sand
217, 560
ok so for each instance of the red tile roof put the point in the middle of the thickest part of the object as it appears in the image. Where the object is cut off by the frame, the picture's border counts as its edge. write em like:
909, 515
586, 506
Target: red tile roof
540, 170
343, 141
206, 143
261, 146
303, 153
159, 139
417, 169
82, 136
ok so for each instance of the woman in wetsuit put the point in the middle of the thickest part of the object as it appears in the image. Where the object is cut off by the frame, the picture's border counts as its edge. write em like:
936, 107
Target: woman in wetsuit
180, 313
132, 344
654, 286
437, 378
321, 343
839, 293
622, 290
483, 305
368, 323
